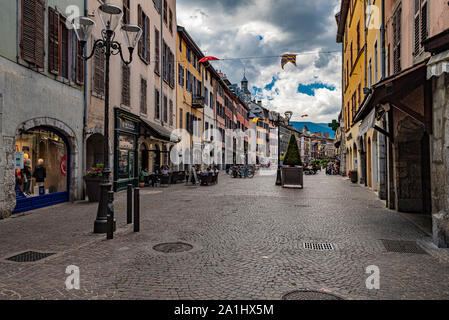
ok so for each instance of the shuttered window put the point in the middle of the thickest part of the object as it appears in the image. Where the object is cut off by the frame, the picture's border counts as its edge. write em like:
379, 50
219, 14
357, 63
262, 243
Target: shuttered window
144, 42
165, 12
181, 75
165, 109
170, 21
170, 114
397, 40
99, 64
157, 50
126, 75
126, 13
156, 104
143, 96
53, 41
32, 33
421, 25
79, 63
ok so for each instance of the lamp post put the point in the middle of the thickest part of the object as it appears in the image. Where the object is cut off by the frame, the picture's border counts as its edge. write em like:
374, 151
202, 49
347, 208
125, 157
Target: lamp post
110, 16
288, 116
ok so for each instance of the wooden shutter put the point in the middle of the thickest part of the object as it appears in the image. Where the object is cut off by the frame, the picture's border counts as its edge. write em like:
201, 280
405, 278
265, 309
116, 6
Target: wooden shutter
40, 36
424, 31
140, 24
79, 63
147, 39
156, 51
143, 96
32, 33
170, 119
126, 14
53, 41
99, 72
125, 85
397, 40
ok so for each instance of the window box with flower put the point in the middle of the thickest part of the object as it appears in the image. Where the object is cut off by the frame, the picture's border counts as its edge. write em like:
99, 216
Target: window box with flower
93, 180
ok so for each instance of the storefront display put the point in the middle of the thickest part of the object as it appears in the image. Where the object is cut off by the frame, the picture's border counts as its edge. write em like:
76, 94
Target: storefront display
40, 169
125, 155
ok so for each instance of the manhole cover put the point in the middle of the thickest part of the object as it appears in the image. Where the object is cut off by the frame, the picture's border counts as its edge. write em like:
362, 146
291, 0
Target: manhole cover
318, 246
309, 295
174, 247
29, 256
401, 246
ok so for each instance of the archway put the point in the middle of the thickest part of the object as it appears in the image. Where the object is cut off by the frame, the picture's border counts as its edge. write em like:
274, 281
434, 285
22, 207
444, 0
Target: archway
44, 177
94, 150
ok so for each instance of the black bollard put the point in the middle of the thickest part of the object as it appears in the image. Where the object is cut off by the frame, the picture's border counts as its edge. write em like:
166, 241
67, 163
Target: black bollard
129, 206
110, 217
136, 210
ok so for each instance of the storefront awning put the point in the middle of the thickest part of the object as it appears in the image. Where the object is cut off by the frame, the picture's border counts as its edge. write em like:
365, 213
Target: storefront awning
438, 65
393, 88
367, 123
159, 131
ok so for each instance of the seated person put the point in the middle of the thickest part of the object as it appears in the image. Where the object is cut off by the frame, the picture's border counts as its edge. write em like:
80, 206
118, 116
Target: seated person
164, 170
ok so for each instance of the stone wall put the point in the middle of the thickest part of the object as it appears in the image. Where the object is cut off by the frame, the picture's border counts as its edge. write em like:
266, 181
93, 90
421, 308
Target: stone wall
440, 160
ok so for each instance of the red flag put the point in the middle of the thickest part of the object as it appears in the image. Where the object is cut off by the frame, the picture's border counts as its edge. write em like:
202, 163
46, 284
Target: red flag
209, 58
304, 115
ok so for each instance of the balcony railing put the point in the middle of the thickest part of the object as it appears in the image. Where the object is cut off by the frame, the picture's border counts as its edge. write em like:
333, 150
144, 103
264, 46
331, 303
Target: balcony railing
197, 102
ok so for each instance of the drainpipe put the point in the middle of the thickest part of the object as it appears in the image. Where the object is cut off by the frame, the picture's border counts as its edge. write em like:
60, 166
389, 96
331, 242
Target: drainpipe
382, 36
85, 104
161, 61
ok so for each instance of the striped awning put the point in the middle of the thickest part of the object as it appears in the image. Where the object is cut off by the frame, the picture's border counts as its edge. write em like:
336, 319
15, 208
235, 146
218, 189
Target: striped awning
438, 65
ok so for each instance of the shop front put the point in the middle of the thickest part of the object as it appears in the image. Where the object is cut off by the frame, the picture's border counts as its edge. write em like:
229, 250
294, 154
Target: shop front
125, 150
42, 171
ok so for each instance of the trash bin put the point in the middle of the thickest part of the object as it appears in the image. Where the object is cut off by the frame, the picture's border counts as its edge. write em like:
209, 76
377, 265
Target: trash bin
354, 176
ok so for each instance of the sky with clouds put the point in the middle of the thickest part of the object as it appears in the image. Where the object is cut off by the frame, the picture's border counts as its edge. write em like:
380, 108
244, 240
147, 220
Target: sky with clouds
261, 29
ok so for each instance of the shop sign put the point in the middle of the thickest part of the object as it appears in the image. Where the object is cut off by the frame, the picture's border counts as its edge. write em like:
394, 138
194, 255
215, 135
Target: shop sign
127, 125
18, 159
126, 142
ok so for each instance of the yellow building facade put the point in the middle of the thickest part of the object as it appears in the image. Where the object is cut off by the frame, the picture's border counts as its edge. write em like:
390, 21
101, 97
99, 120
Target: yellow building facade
189, 86
351, 33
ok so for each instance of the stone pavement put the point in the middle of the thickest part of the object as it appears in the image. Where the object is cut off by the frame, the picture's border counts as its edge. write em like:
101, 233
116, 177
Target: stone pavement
247, 238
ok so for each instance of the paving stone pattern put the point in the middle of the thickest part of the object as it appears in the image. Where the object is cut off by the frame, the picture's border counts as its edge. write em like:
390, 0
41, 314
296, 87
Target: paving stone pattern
248, 243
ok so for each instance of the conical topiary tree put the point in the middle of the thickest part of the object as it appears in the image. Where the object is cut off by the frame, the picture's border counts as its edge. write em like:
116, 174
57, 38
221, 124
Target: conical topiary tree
292, 156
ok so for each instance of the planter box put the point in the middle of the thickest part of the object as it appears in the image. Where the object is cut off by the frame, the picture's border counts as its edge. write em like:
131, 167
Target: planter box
93, 189
292, 177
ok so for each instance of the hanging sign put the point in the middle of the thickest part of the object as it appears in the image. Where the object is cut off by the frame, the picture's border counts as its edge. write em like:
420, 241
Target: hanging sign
18, 159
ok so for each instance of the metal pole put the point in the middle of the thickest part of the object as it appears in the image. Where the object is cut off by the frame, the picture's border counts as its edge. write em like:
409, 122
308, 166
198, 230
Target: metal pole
136, 210
110, 216
129, 205
278, 173
100, 224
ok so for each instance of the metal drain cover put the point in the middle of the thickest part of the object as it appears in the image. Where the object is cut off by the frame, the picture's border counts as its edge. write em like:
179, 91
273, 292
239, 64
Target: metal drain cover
401, 246
318, 246
309, 295
173, 247
29, 256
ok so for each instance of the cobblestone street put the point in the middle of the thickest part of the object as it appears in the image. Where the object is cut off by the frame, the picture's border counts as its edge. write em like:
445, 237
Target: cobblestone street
247, 238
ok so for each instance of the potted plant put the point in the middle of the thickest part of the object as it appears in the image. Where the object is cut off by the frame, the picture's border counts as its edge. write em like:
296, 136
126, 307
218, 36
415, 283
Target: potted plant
292, 171
93, 180
141, 182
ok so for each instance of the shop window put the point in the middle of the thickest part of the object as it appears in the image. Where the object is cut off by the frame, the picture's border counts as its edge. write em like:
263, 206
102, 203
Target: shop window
44, 167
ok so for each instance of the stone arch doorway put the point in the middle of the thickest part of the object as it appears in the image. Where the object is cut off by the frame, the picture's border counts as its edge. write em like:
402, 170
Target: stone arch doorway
94, 150
412, 167
50, 148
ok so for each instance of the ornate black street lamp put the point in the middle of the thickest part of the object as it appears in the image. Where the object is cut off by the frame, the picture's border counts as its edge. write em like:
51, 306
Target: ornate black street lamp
288, 115
110, 16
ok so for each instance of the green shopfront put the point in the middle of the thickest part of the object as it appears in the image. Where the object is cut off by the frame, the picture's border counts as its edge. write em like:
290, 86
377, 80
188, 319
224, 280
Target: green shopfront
126, 135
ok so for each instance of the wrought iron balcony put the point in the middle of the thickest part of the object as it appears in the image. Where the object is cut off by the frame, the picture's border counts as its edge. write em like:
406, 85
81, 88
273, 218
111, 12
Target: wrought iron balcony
197, 102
